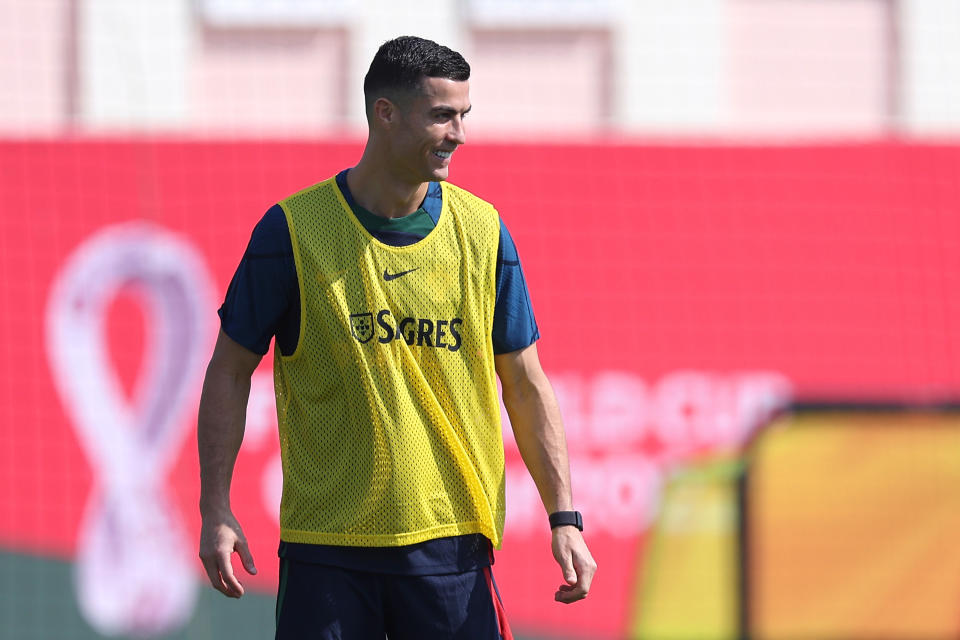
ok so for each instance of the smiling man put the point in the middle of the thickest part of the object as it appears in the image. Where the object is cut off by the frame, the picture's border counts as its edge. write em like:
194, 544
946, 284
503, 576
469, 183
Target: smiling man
395, 299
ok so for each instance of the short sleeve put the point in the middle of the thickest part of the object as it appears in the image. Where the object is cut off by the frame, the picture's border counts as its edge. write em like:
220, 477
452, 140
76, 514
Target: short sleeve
514, 325
263, 298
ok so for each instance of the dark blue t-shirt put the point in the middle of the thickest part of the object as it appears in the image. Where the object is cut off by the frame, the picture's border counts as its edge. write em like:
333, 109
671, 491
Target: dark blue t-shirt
263, 299
263, 302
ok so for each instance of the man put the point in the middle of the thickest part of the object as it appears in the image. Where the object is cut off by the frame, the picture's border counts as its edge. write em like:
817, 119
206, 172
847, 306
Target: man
394, 299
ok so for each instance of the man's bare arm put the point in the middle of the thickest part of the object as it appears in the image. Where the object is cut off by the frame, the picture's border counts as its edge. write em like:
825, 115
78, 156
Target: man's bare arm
538, 430
220, 426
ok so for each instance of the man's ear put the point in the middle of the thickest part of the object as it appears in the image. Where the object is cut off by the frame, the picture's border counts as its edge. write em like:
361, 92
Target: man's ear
384, 111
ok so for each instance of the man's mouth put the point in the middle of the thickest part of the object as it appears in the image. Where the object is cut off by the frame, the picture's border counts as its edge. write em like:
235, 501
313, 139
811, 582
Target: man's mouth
443, 155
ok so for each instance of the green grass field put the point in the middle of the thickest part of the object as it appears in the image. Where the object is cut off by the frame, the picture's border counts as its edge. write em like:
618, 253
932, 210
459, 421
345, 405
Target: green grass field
37, 603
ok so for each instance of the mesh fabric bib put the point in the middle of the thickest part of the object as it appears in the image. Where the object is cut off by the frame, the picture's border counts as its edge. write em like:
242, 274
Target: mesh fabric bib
388, 411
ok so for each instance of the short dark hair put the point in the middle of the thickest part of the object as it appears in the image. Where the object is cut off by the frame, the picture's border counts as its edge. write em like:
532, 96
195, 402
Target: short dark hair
401, 64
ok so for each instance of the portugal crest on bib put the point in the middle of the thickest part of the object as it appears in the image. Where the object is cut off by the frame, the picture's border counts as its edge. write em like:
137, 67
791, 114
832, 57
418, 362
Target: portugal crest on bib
361, 326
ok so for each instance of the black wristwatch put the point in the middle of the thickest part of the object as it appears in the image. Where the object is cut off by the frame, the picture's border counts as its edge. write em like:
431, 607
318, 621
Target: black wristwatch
566, 518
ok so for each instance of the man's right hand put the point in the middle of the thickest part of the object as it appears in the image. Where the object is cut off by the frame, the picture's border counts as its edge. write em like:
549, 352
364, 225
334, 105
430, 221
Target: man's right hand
220, 423
219, 538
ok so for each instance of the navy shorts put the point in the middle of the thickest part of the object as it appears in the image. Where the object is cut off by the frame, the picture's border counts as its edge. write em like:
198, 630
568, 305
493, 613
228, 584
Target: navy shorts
320, 602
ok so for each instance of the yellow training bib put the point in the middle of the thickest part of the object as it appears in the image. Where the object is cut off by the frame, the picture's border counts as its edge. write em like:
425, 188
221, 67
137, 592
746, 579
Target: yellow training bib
388, 410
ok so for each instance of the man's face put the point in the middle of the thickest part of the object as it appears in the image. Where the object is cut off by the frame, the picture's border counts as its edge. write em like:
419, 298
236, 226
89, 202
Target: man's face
429, 128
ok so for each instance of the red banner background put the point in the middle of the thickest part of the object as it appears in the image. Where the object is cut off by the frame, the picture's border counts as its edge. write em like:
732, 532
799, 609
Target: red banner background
681, 273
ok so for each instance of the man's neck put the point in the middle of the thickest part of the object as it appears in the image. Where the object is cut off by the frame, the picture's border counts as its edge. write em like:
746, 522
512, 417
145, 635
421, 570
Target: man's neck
382, 194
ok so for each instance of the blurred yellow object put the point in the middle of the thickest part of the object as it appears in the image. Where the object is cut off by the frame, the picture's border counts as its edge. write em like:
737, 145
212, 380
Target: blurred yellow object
855, 526
689, 582
843, 522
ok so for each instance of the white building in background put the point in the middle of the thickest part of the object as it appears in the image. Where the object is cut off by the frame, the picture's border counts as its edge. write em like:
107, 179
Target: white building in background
676, 69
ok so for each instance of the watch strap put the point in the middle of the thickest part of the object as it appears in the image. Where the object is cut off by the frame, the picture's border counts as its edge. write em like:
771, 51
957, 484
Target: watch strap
566, 518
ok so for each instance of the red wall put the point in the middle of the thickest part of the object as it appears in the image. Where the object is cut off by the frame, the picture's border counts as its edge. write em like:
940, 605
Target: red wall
678, 290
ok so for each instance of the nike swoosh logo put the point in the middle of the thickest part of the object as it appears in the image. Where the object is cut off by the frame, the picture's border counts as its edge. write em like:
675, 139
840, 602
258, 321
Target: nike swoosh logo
393, 276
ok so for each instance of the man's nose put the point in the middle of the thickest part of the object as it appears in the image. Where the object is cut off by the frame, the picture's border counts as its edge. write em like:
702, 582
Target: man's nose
458, 132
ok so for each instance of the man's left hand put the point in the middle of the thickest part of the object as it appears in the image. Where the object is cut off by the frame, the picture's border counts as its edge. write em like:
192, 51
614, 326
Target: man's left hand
578, 566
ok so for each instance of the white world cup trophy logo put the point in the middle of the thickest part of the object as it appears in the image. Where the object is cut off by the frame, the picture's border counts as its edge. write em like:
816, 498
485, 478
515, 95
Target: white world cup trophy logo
134, 566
